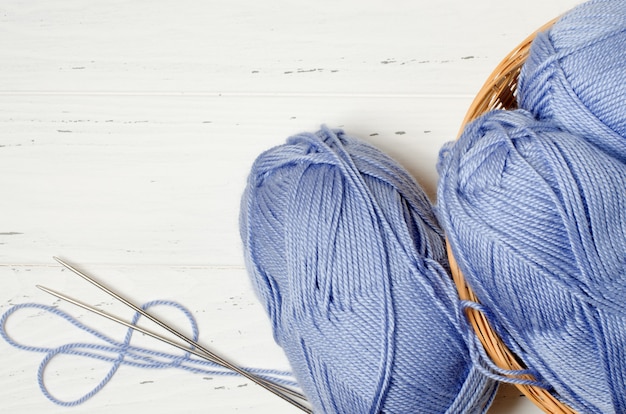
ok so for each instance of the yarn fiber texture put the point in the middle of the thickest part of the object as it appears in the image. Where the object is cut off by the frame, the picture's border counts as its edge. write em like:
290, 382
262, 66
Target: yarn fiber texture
575, 75
348, 259
536, 218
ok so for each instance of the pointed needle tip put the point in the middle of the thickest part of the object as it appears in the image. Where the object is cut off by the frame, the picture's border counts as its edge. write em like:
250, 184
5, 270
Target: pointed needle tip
45, 289
62, 262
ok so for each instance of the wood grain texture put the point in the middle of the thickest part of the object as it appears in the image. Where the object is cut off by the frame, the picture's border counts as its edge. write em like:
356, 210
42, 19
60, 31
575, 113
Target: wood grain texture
127, 130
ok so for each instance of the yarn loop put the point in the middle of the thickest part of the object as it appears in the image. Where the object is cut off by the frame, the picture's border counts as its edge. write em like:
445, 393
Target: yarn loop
118, 353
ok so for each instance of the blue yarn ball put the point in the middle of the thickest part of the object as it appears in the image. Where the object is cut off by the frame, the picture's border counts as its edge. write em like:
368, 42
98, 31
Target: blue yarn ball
575, 74
348, 260
536, 218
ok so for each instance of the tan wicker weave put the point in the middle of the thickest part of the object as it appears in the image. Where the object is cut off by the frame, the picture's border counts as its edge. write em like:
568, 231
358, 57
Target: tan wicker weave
498, 92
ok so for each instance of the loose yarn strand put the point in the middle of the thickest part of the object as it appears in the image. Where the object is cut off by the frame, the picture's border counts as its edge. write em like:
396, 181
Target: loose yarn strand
482, 360
122, 353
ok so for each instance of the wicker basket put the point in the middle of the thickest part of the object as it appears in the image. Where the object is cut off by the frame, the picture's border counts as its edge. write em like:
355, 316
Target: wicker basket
498, 92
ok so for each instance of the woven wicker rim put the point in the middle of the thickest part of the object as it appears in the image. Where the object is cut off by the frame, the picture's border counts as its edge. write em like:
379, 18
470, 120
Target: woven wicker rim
498, 92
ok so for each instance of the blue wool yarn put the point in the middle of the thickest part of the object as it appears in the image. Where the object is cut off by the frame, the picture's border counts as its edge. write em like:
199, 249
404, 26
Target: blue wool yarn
349, 262
118, 353
536, 218
575, 75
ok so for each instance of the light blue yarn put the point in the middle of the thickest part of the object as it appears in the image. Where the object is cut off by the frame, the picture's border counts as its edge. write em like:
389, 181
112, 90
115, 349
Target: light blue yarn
575, 75
348, 260
119, 353
536, 218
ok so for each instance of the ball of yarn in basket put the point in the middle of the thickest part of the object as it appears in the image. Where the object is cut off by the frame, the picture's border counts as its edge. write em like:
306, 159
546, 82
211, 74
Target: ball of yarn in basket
575, 74
347, 258
536, 218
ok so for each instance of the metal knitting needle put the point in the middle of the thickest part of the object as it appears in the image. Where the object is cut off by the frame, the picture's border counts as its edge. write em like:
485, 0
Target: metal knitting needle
152, 334
123, 322
270, 386
184, 338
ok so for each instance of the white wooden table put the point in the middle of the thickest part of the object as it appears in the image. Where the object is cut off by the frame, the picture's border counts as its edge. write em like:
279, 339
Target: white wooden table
127, 130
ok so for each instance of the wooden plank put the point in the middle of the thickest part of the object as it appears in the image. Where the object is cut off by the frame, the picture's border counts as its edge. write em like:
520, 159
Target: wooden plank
407, 47
158, 179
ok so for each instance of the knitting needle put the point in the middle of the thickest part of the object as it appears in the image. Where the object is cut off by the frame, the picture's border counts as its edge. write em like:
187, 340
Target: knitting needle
272, 387
215, 358
152, 334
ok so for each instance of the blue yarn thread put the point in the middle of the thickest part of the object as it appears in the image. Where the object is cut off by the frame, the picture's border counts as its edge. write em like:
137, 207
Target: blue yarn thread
536, 219
123, 353
348, 260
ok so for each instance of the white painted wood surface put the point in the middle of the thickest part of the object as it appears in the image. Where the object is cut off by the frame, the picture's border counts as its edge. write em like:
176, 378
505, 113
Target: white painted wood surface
126, 133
